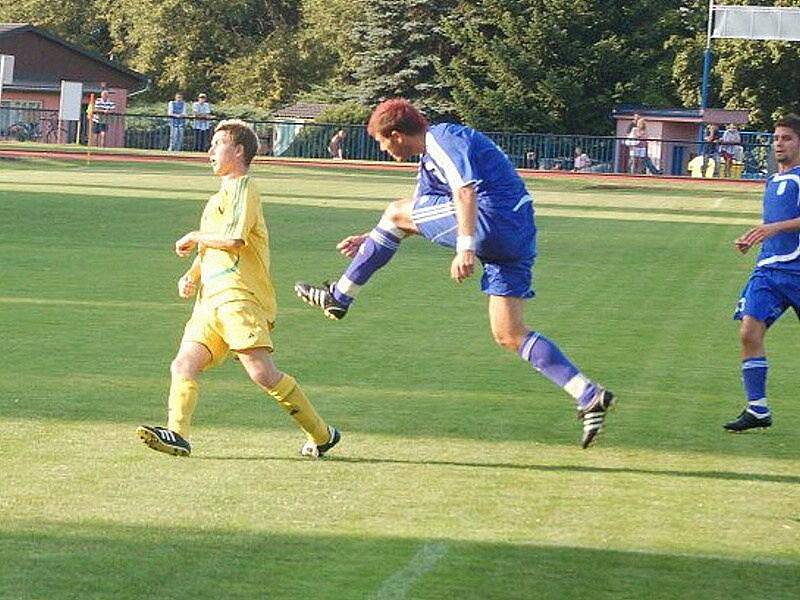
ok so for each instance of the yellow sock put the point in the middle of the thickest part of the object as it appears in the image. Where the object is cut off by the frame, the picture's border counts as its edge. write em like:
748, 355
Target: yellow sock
182, 400
294, 401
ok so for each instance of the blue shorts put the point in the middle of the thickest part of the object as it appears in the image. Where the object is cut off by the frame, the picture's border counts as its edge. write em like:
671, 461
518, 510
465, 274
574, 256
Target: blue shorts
504, 247
767, 295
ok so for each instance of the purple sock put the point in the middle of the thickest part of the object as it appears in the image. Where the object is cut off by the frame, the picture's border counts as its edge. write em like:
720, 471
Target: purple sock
377, 250
754, 377
550, 361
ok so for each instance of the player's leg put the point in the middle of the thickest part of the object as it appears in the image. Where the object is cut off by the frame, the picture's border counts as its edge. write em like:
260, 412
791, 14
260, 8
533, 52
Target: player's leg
192, 359
245, 327
754, 377
506, 316
374, 251
758, 307
290, 396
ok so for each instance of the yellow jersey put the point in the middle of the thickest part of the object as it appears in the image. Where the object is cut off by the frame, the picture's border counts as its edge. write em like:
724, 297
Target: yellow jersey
241, 274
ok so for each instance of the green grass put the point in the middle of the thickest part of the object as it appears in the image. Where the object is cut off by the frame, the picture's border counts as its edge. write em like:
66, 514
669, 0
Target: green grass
459, 474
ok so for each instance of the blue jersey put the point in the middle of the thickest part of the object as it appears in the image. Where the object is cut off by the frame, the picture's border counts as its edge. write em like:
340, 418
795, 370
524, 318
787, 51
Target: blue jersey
456, 156
781, 203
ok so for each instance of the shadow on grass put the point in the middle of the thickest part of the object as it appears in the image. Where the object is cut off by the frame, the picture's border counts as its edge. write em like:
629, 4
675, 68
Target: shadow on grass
722, 475
98, 560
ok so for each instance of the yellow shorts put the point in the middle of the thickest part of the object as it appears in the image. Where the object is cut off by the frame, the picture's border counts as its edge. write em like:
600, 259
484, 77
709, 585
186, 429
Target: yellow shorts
235, 325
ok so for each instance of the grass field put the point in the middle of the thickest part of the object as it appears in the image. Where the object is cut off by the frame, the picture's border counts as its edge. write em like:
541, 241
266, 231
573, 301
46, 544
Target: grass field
459, 474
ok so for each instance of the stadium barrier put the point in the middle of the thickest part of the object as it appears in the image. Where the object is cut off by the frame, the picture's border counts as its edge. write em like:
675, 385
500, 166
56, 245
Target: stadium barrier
751, 159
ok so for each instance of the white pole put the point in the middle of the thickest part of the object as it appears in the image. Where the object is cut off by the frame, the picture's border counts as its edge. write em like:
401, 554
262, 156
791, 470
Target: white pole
2, 76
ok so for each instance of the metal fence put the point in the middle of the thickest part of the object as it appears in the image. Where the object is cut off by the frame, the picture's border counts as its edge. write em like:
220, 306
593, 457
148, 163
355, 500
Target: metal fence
751, 159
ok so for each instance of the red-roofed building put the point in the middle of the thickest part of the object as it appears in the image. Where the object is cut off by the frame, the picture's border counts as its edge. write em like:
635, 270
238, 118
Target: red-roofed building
43, 60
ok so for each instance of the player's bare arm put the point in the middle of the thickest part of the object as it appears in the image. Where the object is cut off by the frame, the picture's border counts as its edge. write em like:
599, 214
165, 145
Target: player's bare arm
187, 284
185, 245
466, 205
756, 235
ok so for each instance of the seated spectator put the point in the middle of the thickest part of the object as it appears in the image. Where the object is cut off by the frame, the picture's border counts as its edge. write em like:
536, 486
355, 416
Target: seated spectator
582, 161
699, 167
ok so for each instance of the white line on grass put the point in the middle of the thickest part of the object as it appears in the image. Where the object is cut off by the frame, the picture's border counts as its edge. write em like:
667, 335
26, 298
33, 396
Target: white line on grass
90, 303
116, 304
543, 211
397, 585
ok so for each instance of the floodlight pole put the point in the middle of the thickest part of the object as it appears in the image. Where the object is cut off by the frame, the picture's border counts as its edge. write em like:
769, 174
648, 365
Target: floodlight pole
2, 77
706, 69
707, 58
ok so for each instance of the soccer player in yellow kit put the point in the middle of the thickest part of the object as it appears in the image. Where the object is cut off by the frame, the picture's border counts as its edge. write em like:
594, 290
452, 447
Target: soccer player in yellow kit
235, 302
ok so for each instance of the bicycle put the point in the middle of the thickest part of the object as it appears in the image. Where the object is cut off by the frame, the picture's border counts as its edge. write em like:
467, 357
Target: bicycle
52, 133
24, 131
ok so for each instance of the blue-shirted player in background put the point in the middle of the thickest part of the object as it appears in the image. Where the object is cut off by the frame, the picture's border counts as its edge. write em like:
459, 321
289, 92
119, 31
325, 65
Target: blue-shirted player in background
469, 198
774, 285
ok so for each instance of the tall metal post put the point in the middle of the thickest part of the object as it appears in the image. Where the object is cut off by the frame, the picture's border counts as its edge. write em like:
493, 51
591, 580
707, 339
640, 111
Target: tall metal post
706, 68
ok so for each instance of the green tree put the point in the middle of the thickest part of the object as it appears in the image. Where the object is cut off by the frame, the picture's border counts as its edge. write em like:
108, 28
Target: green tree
557, 65
274, 71
397, 46
325, 27
185, 46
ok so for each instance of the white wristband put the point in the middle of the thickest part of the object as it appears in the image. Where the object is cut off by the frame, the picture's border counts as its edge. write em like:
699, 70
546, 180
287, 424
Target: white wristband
465, 242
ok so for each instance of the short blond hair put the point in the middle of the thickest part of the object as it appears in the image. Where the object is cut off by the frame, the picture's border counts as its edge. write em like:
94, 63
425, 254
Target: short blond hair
241, 134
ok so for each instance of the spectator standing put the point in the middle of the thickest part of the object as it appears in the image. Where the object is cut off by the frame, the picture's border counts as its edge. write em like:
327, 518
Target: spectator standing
201, 112
176, 109
636, 150
644, 142
711, 148
335, 147
729, 148
101, 115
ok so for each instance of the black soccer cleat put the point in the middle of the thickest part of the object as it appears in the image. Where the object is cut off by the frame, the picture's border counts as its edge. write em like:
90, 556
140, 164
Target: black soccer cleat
312, 450
747, 420
321, 296
164, 440
593, 415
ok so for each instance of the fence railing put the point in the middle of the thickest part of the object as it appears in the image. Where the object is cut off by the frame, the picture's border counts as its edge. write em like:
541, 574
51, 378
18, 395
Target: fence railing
752, 158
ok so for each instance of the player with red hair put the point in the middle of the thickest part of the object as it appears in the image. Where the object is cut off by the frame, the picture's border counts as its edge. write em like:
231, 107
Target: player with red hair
468, 198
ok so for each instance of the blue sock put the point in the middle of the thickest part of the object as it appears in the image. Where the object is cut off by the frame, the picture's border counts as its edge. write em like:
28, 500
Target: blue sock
550, 361
754, 377
377, 250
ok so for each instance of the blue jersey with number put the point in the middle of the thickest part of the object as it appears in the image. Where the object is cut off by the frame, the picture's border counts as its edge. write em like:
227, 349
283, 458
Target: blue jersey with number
781, 203
456, 156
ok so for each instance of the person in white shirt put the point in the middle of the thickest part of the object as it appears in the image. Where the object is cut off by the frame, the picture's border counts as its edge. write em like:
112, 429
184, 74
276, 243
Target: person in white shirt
201, 122
103, 107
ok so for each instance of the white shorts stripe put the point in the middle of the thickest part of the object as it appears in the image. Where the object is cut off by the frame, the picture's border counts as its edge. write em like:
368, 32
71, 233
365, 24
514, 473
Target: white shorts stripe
438, 235
425, 210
